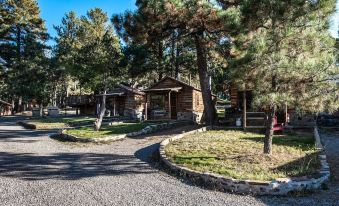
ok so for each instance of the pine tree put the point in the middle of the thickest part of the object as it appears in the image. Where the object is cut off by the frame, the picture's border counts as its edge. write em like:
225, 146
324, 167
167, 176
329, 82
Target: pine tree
91, 52
22, 37
290, 56
204, 24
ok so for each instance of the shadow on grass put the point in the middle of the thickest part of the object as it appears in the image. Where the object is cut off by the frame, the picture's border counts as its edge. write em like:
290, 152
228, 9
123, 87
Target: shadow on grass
305, 166
304, 142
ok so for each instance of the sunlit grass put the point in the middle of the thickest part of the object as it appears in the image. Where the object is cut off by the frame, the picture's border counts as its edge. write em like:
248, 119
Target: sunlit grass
111, 130
240, 155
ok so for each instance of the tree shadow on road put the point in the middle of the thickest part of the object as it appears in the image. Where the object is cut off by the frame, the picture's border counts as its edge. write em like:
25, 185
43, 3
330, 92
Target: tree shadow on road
69, 166
15, 134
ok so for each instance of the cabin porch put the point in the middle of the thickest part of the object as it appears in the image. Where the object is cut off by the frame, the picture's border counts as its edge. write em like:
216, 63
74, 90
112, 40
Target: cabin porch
162, 103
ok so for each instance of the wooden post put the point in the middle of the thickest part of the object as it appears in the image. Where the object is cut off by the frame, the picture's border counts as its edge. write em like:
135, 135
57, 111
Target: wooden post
169, 104
114, 107
244, 109
146, 116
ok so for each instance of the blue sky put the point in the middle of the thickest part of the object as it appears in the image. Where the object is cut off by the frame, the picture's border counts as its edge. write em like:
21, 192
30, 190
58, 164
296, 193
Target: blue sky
52, 11
335, 22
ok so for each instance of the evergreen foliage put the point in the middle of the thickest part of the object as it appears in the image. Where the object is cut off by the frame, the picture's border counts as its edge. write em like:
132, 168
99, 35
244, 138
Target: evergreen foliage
22, 47
287, 57
90, 52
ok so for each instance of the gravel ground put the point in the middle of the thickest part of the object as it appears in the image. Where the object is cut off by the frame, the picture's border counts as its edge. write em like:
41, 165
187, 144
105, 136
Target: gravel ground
36, 170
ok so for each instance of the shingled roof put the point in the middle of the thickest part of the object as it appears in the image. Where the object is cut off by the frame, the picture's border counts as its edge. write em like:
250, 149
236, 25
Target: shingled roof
122, 90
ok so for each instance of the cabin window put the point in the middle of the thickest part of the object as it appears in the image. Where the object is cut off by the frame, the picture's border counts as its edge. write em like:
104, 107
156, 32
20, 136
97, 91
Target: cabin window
158, 102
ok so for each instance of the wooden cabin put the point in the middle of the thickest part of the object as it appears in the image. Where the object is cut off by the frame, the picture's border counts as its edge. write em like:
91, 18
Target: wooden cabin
120, 101
285, 116
124, 101
173, 99
5, 108
86, 103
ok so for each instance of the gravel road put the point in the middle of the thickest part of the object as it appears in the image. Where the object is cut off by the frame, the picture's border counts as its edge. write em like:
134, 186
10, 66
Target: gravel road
37, 170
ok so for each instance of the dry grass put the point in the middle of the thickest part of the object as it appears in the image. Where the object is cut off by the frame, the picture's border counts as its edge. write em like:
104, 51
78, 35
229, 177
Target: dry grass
240, 155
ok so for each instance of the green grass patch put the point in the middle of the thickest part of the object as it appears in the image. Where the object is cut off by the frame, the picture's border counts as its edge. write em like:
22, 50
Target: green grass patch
240, 155
60, 122
109, 130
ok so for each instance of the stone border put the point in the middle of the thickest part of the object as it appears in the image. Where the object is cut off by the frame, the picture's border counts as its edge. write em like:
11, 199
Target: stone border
147, 130
281, 186
26, 125
74, 138
158, 127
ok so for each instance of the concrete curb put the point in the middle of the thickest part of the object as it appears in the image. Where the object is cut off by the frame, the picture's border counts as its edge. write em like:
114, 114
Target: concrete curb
281, 186
158, 127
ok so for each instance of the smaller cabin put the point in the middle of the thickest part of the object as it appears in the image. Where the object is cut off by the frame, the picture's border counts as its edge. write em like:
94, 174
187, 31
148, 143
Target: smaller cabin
86, 103
173, 99
5, 108
124, 101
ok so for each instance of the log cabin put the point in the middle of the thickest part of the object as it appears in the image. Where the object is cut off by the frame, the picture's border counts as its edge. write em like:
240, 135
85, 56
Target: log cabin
124, 101
286, 115
120, 101
173, 99
85, 103
5, 108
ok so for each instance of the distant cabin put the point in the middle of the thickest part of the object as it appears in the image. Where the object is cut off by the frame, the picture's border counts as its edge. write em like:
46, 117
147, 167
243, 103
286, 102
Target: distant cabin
120, 101
5, 108
173, 99
85, 103
287, 115
124, 101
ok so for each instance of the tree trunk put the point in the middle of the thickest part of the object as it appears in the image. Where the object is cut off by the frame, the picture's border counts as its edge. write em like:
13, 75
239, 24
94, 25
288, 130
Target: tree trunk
55, 96
173, 43
20, 104
13, 106
98, 121
41, 110
204, 79
177, 63
160, 60
269, 131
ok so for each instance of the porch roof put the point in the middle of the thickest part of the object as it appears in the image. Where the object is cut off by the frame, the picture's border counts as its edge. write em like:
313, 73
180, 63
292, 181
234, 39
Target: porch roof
5, 103
171, 89
122, 90
112, 94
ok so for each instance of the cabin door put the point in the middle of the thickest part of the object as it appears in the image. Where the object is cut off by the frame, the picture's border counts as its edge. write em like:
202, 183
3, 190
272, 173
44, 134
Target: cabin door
173, 106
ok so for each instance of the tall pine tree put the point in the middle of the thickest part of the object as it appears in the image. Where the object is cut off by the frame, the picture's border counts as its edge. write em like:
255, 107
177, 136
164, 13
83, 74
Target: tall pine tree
90, 51
22, 46
289, 55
